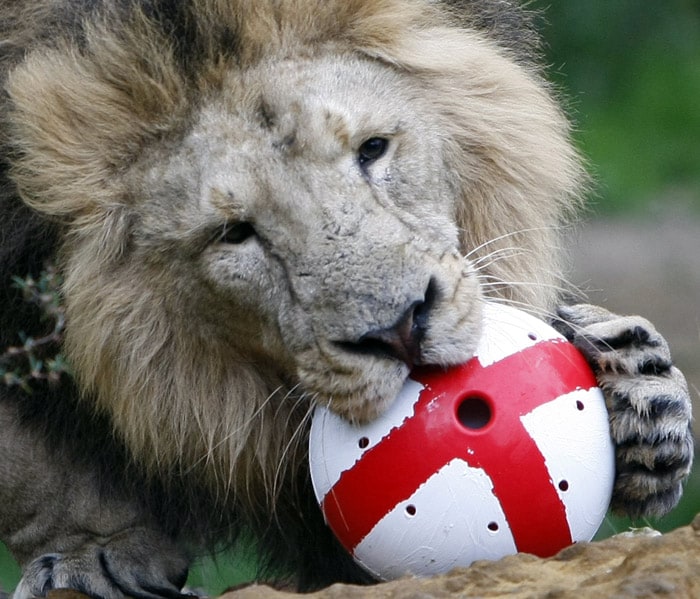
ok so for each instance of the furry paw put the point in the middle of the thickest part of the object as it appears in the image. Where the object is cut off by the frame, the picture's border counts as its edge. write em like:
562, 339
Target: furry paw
648, 402
125, 566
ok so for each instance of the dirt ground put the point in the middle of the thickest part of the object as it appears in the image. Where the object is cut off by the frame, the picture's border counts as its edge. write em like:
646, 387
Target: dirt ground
649, 267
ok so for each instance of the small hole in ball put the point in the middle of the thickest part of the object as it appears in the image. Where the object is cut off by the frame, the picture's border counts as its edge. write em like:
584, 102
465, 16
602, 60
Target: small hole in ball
474, 412
532, 336
363, 442
579, 405
493, 526
564, 485
411, 510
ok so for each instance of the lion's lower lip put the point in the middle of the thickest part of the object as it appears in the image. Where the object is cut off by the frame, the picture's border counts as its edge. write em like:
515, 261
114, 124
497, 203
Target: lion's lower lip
379, 349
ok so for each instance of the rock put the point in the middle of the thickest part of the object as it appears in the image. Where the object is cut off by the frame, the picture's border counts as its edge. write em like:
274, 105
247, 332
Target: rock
624, 566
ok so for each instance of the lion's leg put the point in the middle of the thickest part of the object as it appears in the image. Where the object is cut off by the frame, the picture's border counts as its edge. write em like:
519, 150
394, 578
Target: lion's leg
69, 529
648, 402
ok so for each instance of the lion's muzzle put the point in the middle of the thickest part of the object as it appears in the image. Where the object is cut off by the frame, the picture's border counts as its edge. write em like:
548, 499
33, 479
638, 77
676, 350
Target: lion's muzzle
402, 340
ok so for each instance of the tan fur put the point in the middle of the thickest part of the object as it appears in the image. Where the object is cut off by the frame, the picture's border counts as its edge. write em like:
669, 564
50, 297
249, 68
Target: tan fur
195, 378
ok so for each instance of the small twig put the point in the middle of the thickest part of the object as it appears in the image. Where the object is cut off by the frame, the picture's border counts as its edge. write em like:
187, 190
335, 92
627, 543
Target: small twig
38, 358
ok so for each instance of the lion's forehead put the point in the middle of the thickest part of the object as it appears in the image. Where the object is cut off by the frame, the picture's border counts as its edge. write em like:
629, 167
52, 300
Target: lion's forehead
320, 106
277, 143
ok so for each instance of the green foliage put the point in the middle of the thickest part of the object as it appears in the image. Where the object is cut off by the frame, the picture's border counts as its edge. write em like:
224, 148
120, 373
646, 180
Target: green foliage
214, 575
37, 358
9, 570
631, 70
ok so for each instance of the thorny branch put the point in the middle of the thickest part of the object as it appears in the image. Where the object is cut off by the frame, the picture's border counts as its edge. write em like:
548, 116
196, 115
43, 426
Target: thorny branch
38, 358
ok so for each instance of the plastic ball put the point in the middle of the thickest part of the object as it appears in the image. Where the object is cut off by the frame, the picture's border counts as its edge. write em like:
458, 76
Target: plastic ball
509, 452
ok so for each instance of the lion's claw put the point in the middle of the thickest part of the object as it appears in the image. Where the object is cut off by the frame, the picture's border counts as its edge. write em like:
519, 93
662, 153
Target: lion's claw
114, 570
648, 402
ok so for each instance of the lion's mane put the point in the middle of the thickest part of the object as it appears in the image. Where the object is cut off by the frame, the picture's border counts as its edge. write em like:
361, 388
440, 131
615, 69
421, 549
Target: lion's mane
90, 87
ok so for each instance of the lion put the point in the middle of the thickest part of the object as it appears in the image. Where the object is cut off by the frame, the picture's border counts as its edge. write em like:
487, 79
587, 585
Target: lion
258, 207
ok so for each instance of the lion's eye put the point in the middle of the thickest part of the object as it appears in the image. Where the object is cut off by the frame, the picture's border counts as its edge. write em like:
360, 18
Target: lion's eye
371, 150
236, 232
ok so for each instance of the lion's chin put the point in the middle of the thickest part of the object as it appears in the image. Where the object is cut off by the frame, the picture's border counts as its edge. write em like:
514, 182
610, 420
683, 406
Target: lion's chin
361, 410
357, 396
363, 389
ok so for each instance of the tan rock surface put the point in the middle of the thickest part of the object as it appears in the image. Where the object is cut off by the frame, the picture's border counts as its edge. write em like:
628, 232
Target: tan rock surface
620, 567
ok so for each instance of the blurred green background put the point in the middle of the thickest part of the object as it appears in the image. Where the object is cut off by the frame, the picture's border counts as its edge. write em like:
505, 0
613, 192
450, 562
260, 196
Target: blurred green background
630, 70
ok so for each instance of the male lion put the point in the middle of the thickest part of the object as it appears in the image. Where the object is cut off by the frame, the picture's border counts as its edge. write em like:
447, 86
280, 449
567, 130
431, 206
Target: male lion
258, 206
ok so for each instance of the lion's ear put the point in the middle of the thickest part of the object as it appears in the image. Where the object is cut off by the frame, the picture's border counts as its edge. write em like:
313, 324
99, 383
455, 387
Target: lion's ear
78, 119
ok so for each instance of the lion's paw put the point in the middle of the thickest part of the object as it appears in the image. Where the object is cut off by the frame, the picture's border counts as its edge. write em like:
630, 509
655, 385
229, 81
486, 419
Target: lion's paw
118, 568
648, 403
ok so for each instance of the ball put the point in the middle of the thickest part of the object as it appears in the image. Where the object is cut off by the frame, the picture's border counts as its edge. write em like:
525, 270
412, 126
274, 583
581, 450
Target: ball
509, 452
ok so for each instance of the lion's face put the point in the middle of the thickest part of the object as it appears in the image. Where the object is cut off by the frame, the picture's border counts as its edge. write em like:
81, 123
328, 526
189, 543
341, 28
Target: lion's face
314, 215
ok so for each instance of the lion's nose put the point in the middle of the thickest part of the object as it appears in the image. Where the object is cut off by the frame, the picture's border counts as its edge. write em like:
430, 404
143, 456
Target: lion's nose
402, 340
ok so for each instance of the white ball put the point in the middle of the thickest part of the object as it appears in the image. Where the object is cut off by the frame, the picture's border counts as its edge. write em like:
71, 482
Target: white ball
508, 452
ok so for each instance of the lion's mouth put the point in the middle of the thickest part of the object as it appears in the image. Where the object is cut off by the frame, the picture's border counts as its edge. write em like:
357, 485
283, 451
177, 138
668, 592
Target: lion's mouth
403, 340
360, 345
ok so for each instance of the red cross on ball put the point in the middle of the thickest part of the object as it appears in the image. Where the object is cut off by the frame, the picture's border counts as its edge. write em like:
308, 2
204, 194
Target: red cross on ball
509, 452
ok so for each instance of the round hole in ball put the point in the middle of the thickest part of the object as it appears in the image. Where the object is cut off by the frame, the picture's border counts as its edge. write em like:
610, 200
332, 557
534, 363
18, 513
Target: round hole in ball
492, 526
579, 405
474, 412
411, 510
564, 485
363, 442
532, 336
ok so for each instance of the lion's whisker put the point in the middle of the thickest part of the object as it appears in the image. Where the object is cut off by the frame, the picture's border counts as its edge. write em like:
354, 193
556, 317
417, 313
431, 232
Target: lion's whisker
543, 314
296, 437
481, 246
499, 254
212, 447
